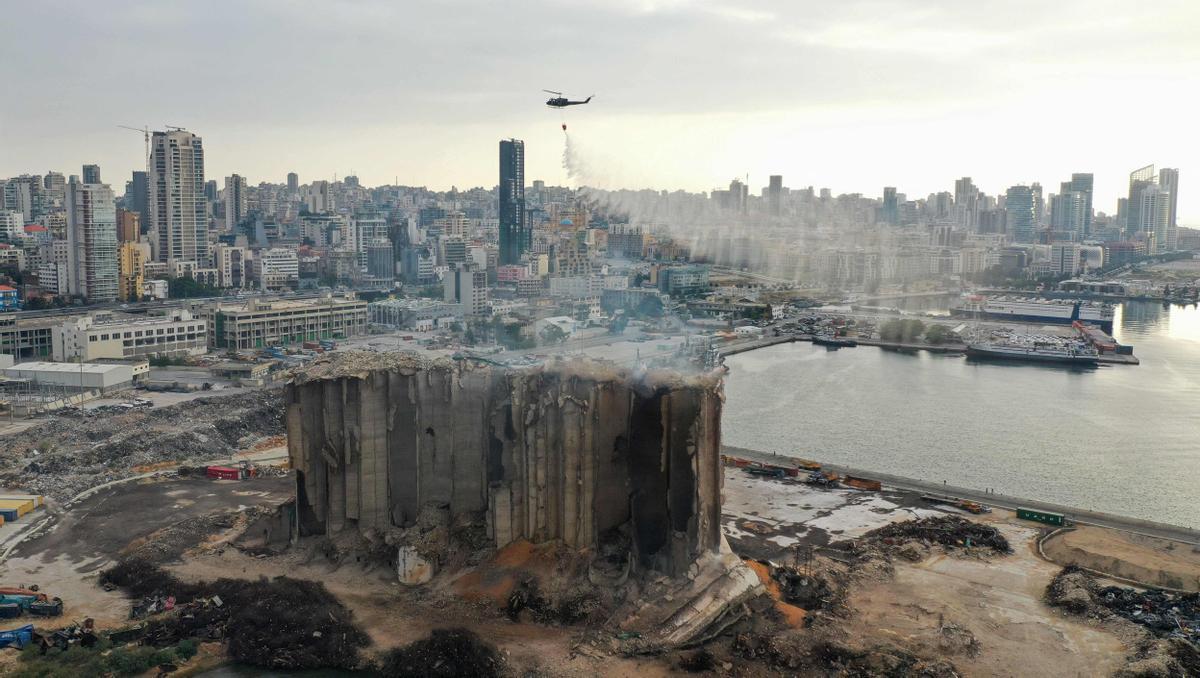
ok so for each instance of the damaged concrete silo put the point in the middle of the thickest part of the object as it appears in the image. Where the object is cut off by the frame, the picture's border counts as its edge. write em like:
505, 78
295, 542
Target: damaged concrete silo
563, 453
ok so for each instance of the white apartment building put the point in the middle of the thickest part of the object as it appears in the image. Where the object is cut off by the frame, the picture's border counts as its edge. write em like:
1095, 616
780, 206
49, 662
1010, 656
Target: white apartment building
276, 268
178, 210
104, 335
91, 241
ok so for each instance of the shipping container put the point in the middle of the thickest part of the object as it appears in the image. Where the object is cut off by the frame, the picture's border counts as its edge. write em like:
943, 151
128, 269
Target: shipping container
223, 473
1046, 517
22, 506
9, 515
37, 499
863, 483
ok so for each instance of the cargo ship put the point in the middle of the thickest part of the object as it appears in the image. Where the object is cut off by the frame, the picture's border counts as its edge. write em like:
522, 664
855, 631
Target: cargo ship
1036, 352
1035, 310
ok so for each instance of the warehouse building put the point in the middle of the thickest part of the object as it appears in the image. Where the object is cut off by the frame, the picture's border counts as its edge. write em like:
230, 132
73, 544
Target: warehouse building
106, 335
105, 378
259, 324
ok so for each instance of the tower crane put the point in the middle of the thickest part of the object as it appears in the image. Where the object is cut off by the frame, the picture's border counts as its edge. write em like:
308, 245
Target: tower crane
145, 131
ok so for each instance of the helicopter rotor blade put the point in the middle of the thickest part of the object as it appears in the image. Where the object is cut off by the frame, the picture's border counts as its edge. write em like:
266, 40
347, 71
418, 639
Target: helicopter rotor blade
550, 91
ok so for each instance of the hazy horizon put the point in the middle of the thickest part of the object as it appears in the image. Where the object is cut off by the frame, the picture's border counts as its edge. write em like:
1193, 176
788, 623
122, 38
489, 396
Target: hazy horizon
851, 96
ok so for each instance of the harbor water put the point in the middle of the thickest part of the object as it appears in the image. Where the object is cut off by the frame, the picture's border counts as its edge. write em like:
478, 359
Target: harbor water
1118, 439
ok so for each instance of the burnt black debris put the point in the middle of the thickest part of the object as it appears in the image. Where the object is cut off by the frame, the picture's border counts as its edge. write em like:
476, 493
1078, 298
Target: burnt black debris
949, 531
280, 624
446, 653
1162, 613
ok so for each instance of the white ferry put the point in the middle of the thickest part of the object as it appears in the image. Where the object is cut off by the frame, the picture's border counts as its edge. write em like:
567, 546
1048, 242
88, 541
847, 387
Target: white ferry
1034, 310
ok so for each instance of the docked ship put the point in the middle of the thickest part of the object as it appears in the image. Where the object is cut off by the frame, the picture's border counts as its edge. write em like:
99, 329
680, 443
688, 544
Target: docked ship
1034, 310
1038, 352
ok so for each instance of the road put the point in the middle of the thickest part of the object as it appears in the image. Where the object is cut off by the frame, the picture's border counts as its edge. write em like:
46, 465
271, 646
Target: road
1133, 525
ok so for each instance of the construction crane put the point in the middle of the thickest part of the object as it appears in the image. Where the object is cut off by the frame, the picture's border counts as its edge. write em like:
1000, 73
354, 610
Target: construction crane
146, 131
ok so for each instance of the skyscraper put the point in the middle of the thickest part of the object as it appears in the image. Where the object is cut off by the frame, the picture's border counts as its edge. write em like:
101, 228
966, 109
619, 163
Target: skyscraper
293, 182
1068, 211
1019, 214
138, 198
235, 201
178, 221
890, 212
1168, 180
775, 195
1154, 215
91, 174
1082, 183
1139, 180
515, 235
91, 241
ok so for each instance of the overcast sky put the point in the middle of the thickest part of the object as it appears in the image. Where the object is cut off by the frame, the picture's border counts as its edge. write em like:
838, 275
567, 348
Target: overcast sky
849, 94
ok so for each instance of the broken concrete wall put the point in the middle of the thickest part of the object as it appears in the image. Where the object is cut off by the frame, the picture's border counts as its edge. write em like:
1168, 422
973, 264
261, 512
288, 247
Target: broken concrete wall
563, 452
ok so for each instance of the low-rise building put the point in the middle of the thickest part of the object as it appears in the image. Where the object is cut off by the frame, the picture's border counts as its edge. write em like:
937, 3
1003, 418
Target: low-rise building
412, 314
107, 335
83, 376
259, 324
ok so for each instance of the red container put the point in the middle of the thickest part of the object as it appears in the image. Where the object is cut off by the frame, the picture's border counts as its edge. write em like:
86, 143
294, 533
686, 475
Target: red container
224, 473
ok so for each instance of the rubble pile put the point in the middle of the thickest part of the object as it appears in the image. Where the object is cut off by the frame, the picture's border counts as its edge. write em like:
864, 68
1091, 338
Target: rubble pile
948, 531
827, 657
445, 653
1163, 614
70, 454
279, 624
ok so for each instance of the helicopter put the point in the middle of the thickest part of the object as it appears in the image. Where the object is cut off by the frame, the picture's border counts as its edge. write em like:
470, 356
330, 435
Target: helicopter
562, 102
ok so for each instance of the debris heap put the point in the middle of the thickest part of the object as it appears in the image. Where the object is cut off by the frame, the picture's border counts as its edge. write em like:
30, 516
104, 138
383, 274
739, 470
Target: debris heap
77, 451
951, 531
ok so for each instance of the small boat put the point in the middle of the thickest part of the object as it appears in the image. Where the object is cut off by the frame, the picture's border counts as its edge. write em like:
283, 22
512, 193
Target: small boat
830, 341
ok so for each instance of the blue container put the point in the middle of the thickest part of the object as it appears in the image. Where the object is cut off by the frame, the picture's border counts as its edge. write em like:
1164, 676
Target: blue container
9, 515
19, 637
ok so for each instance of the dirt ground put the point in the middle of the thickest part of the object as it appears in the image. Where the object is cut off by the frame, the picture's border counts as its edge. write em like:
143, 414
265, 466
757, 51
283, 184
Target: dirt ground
395, 615
1149, 560
999, 601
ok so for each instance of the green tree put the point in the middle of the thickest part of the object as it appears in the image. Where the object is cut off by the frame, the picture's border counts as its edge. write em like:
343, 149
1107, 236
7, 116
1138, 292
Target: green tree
553, 334
185, 288
937, 334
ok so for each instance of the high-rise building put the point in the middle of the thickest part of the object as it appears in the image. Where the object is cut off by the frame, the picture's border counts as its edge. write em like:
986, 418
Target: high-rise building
293, 182
1068, 211
91, 174
56, 187
1082, 183
1019, 214
890, 212
25, 194
775, 194
137, 198
1154, 218
178, 215
1168, 180
91, 241
235, 201
129, 225
515, 235
1139, 180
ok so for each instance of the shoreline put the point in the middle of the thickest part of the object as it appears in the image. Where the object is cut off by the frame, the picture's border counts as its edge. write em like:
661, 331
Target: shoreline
753, 345
1178, 533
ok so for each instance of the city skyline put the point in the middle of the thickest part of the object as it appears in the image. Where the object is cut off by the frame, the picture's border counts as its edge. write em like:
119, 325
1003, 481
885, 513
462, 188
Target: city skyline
899, 99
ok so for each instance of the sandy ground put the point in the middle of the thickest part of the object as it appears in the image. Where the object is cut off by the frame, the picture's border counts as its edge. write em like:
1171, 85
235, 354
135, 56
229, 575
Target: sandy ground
1148, 560
394, 615
999, 600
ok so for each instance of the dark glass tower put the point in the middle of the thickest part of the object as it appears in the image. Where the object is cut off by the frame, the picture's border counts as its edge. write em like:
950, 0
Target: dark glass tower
515, 235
